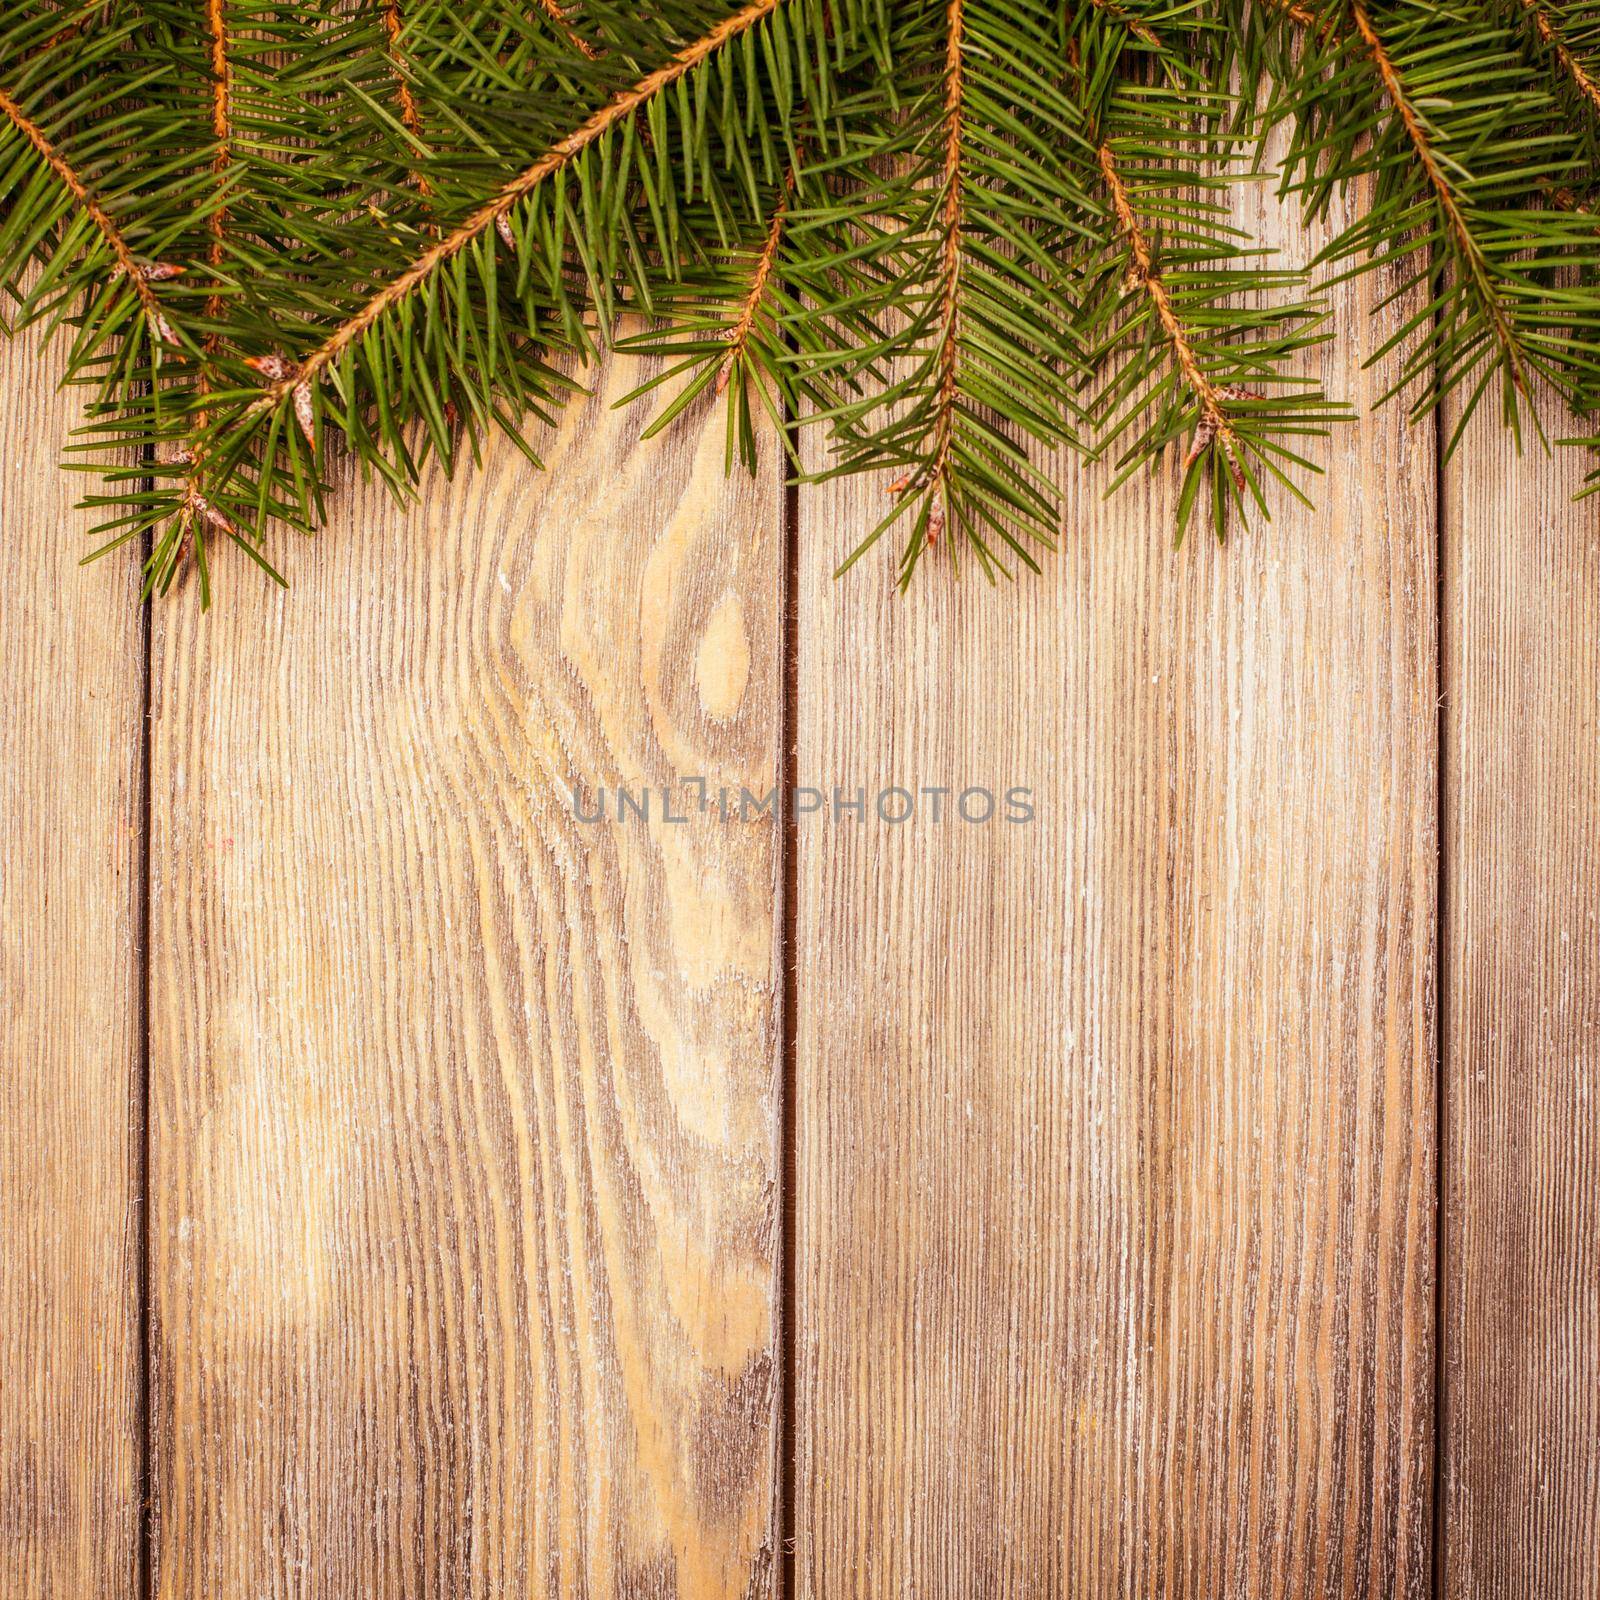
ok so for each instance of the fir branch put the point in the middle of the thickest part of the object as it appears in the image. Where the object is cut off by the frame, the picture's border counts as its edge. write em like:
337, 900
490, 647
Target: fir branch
195, 511
937, 472
1470, 255
1463, 147
760, 281
731, 324
1297, 13
1213, 427
410, 113
1121, 14
954, 226
557, 13
222, 132
139, 275
1582, 80
1191, 340
297, 384
1013, 234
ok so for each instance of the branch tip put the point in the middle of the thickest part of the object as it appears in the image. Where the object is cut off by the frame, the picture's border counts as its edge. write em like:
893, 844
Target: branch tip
491, 213
1213, 425
739, 333
138, 273
1570, 64
1422, 142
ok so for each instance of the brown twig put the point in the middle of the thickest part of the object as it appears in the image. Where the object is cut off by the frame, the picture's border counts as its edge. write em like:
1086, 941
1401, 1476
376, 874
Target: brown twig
222, 131
1118, 13
739, 333
1564, 199
1422, 143
1296, 12
950, 271
1214, 425
488, 215
410, 113
1574, 68
936, 471
196, 510
131, 268
557, 13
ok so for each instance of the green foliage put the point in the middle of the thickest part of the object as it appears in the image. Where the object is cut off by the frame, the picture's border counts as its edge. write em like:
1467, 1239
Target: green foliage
955, 238
1191, 330
951, 221
1468, 152
90, 241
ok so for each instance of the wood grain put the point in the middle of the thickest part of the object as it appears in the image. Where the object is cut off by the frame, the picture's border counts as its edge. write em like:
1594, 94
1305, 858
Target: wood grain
464, 1157
1522, 1023
71, 762
1115, 1131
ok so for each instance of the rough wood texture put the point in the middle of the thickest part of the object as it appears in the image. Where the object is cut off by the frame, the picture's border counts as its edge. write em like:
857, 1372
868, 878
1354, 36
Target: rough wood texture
1521, 1323
1114, 1147
1115, 1131
71, 757
464, 1113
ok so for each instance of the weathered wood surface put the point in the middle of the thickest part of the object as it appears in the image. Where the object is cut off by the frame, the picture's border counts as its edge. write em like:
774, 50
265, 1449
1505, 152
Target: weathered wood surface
71, 876
464, 1113
1112, 1142
1521, 1036
1115, 1159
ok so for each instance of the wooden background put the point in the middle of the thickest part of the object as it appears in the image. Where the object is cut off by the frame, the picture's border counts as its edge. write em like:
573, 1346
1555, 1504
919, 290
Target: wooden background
412, 1193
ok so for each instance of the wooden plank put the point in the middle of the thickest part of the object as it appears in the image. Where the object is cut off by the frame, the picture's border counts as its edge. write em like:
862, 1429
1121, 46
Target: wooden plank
71, 888
464, 1158
1521, 1033
1115, 1130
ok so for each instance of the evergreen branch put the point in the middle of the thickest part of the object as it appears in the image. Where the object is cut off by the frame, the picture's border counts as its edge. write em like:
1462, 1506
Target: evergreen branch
493, 213
410, 113
222, 132
1464, 142
1121, 14
1582, 81
748, 326
1470, 254
195, 511
1214, 425
1014, 233
760, 278
557, 13
1192, 341
1295, 12
951, 230
938, 470
219, 135
138, 275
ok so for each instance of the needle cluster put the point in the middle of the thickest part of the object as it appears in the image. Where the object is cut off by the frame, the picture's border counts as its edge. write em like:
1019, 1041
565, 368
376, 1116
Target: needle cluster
955, 236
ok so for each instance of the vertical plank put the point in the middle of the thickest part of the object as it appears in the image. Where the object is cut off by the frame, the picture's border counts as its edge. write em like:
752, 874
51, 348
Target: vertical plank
1522, 1023
464, 1154
1115, 1130
71, 876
